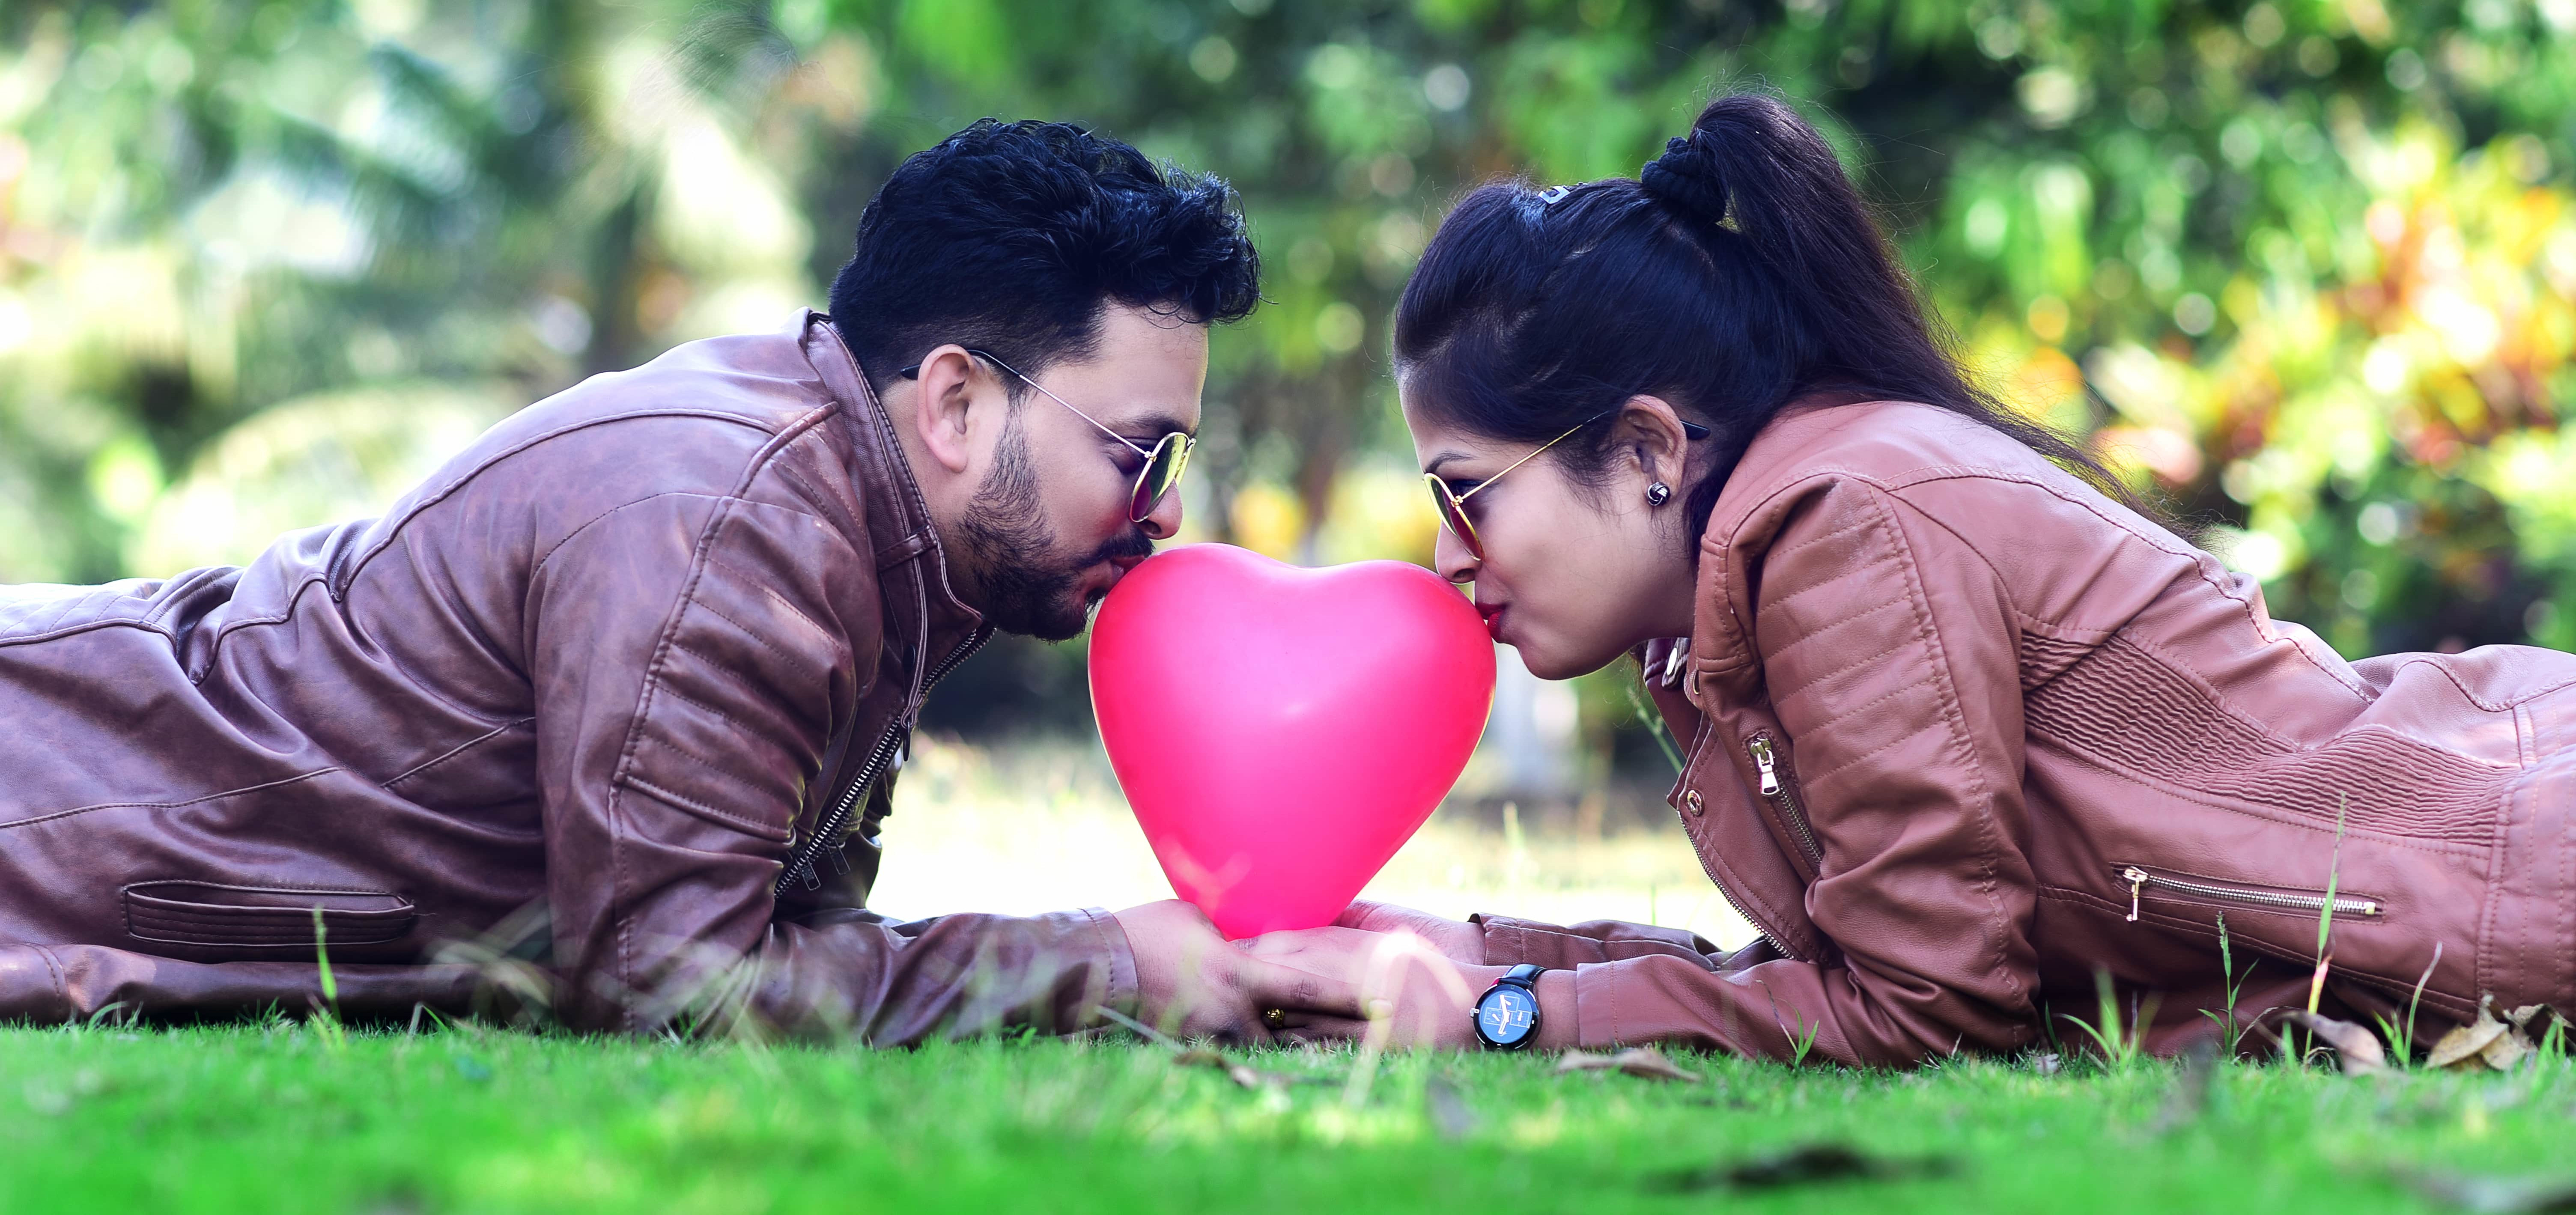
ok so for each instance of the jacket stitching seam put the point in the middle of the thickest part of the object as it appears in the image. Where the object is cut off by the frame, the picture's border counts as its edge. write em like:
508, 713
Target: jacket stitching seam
360, 561
1857, 615
621, 777
1824, 585
59, 814
294, 600
763, 642
1846, 668
764, 588
686, 699
2455, 849
1923, 475
1846, 715
1981, 807
2491, 706
62, 984
457, 750
86, 626
537, 568
700, 808
1828, 538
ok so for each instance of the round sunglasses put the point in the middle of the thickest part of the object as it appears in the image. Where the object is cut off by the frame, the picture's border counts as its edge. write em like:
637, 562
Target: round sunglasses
1452, 505
1164, 462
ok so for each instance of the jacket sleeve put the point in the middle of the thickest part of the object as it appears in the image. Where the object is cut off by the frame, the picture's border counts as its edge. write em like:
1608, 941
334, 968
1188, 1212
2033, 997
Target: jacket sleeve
1511, 941
1889, 652
691, 654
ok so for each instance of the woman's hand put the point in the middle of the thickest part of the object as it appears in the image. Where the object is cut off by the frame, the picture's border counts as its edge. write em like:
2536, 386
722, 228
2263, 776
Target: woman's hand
1408, 993
1193, 983
1456, 940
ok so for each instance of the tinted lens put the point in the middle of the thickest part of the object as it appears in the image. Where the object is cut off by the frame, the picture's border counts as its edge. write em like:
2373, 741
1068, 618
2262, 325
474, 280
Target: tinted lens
1162, 472
1453, 515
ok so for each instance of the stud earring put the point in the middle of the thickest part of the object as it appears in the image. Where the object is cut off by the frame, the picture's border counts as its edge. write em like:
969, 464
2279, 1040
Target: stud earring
1658, 493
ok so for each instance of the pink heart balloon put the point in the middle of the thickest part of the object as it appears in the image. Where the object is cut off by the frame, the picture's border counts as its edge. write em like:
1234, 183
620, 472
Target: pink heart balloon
1281, 731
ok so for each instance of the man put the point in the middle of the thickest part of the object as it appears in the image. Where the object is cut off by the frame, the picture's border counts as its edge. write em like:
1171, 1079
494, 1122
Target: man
604, 715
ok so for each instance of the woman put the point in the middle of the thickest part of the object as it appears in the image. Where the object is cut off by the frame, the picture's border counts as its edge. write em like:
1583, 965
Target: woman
1965, 726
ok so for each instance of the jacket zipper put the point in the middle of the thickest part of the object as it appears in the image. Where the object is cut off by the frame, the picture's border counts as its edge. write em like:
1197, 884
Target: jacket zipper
1766, 766
1740, 913
801, 865
1777, 945
2139, 880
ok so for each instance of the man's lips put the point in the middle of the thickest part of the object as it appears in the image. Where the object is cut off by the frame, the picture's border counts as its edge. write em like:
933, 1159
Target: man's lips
1115, 568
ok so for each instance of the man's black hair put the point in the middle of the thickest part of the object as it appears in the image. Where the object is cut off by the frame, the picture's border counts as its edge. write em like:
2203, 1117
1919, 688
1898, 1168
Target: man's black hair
1010, 237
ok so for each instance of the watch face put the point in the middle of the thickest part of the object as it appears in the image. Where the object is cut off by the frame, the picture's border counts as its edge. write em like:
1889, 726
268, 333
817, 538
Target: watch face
1507, 1015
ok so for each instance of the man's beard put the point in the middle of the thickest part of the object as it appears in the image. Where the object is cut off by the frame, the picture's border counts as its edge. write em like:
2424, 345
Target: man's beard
1025, 587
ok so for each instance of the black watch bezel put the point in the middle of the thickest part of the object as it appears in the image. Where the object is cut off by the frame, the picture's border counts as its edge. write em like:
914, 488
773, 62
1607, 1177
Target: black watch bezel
1525, 977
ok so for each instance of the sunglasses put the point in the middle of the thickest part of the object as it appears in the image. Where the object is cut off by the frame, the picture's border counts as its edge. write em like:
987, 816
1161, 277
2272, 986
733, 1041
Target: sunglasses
1164, 461
1452, 505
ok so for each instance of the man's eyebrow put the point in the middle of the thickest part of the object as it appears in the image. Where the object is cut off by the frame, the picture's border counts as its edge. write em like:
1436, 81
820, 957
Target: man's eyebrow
1154, 426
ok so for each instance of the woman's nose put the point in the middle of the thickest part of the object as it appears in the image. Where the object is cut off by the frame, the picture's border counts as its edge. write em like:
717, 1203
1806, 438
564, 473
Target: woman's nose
1450, 557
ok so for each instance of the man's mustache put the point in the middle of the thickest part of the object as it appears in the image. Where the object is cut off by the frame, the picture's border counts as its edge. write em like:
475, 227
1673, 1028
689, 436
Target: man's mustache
1134, 544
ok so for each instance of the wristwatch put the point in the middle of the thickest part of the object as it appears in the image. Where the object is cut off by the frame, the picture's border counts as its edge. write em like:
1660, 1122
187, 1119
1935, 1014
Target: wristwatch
1507, 1015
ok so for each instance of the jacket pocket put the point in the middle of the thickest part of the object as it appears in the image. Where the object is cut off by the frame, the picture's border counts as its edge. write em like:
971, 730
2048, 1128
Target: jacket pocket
2163, 885
262, 917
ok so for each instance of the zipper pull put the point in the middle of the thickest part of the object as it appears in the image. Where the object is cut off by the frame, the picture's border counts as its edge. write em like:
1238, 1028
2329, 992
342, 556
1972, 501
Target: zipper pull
813, 880
2137, 879
1762, 763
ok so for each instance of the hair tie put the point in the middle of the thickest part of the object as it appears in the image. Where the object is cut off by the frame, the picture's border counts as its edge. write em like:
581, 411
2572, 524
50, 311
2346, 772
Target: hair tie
1688, 178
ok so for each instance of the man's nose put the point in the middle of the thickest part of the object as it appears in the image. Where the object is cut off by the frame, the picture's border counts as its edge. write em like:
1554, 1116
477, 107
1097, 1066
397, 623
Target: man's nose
1164, 521
1450, 557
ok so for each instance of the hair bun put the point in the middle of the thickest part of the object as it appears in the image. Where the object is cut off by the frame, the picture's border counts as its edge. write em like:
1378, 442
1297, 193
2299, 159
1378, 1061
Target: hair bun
1687, 177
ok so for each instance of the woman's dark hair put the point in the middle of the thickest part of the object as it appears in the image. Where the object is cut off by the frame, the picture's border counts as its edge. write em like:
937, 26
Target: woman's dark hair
1009, 237
1740, 272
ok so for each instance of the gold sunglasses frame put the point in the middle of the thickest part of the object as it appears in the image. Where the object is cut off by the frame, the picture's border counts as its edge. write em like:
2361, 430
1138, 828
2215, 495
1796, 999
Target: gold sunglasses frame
1451, 505
1139, 508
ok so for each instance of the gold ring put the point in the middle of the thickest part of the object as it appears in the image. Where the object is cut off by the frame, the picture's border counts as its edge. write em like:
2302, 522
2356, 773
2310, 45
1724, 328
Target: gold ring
1276, 1018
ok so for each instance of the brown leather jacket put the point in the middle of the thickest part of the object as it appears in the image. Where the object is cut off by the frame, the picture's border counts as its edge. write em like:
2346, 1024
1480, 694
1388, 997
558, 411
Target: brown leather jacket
1961, 730
557, 722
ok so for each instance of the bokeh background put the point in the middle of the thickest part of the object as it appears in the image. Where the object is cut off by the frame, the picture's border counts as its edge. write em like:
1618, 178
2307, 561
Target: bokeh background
2305, 267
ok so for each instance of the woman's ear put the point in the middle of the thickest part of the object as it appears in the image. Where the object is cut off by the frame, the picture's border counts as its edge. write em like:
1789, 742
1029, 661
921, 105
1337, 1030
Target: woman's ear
1651, 432
942, 400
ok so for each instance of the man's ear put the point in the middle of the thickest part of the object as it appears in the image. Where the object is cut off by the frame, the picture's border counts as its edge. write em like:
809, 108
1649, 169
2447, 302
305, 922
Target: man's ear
942, 400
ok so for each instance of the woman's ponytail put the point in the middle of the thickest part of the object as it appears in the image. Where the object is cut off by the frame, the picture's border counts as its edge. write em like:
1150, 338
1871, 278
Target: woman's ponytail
1742, 270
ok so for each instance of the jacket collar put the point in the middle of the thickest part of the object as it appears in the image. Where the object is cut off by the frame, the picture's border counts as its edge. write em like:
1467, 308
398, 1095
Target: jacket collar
898, 518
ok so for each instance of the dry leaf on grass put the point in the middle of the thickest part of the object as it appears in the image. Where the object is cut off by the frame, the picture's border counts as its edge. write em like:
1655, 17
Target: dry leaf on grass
2356, 1048
1449, 1113
1643, 1062
1241, 1074
1808, 1165
2485, 1042
2495, 1195
2189, 1097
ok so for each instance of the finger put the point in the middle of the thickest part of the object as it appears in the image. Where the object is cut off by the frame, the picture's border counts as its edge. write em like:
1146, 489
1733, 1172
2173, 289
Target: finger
1325, 1029
1274, 944
1271, 985
1358, 914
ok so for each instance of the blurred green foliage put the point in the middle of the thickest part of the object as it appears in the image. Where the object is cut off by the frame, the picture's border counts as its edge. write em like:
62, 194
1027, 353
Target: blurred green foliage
2306, 266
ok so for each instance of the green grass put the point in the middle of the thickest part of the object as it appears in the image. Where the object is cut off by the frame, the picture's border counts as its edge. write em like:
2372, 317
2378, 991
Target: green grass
274, 1119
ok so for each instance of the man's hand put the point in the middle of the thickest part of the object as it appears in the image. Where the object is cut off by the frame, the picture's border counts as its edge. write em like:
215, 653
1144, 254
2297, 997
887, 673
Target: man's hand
1457, 940
1193, 983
